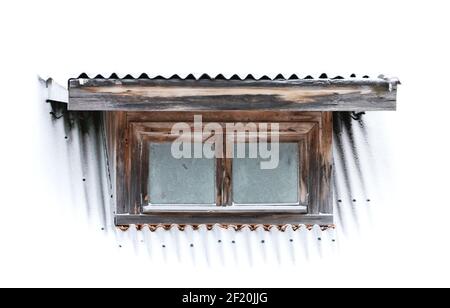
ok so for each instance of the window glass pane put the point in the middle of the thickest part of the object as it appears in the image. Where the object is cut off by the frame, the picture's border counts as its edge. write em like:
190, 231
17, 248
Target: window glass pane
253, 185
179, 181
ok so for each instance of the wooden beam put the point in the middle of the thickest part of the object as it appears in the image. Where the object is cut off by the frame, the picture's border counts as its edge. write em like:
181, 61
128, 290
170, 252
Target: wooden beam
209, 95
326, 164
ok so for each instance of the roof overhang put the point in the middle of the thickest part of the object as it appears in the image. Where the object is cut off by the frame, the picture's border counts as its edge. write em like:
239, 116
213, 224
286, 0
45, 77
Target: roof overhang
209, 94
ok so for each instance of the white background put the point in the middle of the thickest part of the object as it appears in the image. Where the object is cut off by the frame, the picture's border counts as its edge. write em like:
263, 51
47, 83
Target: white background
407, 39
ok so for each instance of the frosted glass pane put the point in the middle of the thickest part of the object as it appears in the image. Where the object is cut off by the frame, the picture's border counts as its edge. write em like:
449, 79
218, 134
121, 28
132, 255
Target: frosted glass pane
251, 184
179, 181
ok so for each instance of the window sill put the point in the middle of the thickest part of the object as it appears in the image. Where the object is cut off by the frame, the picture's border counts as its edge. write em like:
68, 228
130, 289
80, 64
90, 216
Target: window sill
294, 208
225, 217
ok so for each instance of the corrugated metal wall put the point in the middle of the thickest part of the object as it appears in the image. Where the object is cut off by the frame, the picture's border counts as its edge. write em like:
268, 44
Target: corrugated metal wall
361, 181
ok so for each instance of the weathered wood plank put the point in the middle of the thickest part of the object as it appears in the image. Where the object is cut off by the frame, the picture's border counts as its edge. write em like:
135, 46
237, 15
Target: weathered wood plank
135, 168
303, 172
326, 163
121, 161
225, 218
313, 146
236, 209
207, 95
227, 187
225, 116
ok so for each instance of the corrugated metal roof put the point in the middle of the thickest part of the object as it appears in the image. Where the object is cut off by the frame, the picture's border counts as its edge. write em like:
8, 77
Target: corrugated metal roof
222, 77
251, 227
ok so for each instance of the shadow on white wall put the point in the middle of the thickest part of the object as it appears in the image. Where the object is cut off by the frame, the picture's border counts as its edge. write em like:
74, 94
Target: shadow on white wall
78, 146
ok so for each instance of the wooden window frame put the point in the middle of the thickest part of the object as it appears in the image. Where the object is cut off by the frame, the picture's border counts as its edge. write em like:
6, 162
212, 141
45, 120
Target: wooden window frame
143, 132
306, 136
131, 129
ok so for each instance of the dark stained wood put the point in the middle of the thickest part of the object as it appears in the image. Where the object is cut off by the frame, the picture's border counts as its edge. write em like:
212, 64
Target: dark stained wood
313, 173
134, 149
303, 172
116, 128
220, 165
228, 173
220, 173
207, 95
144, 169
326, 164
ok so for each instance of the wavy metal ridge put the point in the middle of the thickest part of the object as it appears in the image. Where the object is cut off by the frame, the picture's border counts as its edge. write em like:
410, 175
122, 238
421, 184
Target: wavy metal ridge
252, 227
220, 77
